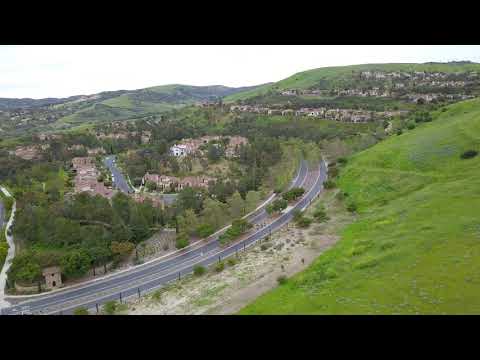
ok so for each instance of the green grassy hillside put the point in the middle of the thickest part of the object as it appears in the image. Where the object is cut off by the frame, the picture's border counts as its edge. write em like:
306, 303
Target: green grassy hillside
416, 245
329, 77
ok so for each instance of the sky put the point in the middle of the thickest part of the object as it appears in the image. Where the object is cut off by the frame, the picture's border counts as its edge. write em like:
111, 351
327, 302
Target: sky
40, 71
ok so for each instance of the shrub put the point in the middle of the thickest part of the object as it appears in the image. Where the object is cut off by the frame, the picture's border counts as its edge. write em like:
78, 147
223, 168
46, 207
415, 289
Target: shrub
329, 184
304, 222
199, 270
220, 266
282, 279
110, 307
265, 246
352, 207
411, 126
231, 261
75, 263
239, 226
293, 194
342, 160
81, 311
333, 172
182, 241
320, 215
204, 230
469, 154
157, 295
399, 132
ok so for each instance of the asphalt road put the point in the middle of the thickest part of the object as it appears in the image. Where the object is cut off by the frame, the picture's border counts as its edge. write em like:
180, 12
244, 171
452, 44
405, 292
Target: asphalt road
154, 274
118, 180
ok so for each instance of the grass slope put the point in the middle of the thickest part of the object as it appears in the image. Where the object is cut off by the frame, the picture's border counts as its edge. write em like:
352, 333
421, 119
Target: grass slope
329, 77
416, 245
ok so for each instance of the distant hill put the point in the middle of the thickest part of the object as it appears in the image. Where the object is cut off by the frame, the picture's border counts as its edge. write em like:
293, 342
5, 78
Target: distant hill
414, 248
167, 93
344, 76
24, 116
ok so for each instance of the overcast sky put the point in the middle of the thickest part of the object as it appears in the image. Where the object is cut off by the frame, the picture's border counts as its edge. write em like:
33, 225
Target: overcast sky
60, 71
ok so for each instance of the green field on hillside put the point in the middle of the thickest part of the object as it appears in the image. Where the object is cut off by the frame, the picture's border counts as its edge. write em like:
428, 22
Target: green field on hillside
415, 247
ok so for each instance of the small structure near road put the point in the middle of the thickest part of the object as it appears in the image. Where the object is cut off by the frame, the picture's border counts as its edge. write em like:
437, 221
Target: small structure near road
53, 277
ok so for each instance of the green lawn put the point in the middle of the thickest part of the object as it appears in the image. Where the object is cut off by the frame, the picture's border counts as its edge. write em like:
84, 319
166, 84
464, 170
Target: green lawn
416, 245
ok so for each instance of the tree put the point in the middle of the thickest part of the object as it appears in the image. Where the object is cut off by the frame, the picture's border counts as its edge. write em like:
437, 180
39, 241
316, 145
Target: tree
75, 263
237, 205
151, 186
252, 199
182, 240
188, 222
204, 230
121, 250
214, 213
188, 198
214, 152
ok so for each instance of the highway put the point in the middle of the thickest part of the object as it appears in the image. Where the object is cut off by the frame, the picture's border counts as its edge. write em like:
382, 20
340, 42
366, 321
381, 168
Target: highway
118, 180
156, 273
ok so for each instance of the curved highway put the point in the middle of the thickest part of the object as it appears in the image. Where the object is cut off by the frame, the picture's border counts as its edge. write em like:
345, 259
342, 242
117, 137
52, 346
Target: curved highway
156, 273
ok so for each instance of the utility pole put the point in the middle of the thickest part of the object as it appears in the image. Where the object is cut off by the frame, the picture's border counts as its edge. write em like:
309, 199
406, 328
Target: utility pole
120, 297
138, 292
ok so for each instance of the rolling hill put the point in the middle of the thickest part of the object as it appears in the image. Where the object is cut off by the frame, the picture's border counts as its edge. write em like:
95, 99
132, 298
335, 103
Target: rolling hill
24, 116
415, 248
344, 76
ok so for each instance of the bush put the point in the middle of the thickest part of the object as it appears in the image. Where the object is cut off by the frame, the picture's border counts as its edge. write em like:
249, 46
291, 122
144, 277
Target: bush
75, 263
204, 230
329, 184
110, 307
297, 215
282, 279
469, 154
411, 126
399, 132
293, 194
239, 226
182, 241
352, 207
342, 160
265, 246
157, 295
220, 266
304, 222
320, 215
81, 311
198, 270
231, 261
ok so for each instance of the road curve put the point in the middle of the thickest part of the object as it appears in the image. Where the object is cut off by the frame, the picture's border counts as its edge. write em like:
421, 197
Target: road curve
147, 277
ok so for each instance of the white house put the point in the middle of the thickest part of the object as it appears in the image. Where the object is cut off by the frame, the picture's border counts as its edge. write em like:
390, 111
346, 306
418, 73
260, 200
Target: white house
179, 150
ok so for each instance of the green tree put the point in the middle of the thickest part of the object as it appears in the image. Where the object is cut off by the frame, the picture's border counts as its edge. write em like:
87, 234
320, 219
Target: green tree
75, 263
182, 240
237, 205
188, 222
252, 200
214, 213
